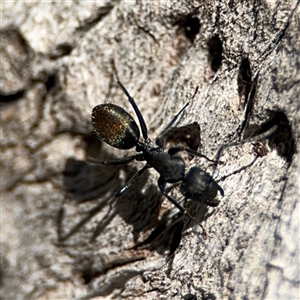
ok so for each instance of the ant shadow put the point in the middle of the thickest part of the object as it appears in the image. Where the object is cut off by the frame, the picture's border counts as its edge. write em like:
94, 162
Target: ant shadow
139, 206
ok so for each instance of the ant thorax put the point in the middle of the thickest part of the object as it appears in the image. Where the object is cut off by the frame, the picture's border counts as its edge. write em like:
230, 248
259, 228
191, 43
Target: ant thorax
147, 146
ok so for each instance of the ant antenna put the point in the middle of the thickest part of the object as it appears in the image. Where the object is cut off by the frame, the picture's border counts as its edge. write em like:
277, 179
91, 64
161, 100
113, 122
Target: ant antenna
249, 140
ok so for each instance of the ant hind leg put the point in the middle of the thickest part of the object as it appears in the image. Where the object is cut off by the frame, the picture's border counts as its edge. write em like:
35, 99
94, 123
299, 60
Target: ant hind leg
121, 161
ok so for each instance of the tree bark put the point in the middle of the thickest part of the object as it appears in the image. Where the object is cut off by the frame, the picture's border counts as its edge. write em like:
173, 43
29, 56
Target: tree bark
62, 236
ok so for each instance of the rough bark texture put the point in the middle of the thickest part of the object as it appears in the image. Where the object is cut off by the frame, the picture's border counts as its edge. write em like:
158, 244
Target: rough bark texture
60, 237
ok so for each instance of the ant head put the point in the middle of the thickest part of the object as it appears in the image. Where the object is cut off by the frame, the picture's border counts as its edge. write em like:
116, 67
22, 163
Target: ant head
115, 126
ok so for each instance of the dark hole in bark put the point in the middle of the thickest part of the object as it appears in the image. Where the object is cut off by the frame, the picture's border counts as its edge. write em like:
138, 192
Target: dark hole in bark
244, 81
190, 26
283, 139
215, 50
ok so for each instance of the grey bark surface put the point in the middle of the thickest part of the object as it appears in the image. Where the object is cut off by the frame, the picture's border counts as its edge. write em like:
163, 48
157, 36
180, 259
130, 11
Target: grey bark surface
61, 239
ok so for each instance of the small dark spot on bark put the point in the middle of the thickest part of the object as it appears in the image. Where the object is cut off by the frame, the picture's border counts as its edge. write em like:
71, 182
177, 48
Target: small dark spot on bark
61, 50
215, 50
189, 296
51, 81
84, 266
190, 26
244, 81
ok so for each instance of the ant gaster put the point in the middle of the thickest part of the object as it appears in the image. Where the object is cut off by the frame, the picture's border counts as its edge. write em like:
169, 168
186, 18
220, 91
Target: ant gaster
116, 127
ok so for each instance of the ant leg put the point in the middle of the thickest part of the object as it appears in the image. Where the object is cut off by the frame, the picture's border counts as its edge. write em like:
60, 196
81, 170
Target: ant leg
131, 181
162, 184
174, 150
121, 161
136, 109
249, 140
159, 140
239, 170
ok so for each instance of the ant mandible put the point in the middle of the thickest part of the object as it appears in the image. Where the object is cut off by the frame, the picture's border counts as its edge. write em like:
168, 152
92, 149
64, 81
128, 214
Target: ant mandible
116, 127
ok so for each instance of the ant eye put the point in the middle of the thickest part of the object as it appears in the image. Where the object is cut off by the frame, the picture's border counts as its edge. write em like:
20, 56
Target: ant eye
115, 126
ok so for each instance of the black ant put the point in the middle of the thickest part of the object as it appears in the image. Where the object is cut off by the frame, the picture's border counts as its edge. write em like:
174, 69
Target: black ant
116, 127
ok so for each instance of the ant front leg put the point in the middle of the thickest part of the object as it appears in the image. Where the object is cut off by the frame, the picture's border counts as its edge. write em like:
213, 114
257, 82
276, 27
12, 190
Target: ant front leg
162, 185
